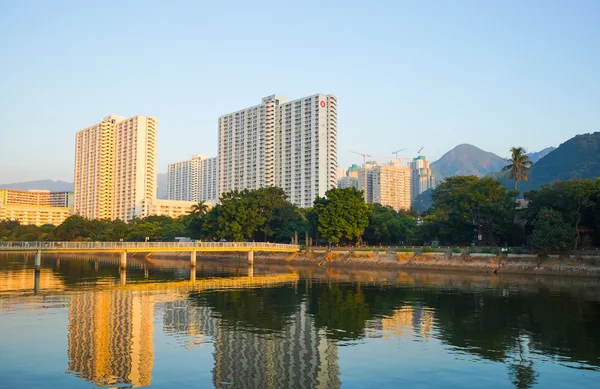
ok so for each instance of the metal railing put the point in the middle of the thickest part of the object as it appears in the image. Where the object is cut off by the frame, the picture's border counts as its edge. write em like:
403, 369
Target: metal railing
8, 246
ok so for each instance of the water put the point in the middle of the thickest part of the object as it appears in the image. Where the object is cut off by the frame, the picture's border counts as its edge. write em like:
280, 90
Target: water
84, 324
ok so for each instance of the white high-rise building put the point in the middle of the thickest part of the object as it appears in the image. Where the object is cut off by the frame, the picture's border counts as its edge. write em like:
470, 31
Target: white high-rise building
115, 168
422, 179
292, 145
194, 179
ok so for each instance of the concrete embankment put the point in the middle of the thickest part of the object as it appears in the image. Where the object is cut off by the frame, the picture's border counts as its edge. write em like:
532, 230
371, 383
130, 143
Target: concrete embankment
374, 260
483, 263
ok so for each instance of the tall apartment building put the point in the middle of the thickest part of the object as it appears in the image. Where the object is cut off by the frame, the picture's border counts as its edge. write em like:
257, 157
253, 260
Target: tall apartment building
292, 145
388, 185
194, 179
36, 207
368, 181
391, 186
422, 179
348, 182
115, 168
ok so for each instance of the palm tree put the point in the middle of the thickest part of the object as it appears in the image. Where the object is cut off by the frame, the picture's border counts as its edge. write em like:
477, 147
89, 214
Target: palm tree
199, 210
518, 165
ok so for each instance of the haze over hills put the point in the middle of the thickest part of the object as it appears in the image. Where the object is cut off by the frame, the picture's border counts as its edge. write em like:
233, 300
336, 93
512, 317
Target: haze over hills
53, 186
466, 160
62, 186
537, 155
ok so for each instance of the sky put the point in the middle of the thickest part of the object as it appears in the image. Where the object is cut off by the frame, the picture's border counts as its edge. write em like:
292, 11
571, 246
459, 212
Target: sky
407, 74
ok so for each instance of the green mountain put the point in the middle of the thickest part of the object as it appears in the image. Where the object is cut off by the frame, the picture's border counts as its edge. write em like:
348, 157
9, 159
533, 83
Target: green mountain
536, 156
577, 158
466, 160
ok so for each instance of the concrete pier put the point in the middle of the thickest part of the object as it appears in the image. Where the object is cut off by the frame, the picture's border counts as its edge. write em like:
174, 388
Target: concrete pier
193, 258
123, 259
193, 274
38, 260
123, 276
251, 257
36, 283
251, 271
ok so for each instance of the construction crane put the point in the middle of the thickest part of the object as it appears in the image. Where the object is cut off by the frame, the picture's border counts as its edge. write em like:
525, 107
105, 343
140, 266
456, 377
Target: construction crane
396, 152
365, 171
419, 152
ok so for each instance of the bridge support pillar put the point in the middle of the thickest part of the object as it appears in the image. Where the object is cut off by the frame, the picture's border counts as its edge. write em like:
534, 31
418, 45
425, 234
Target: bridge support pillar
193, 274
38, 260
36, 283
193, 258
123, 260
251, 271
251, 257
123, 276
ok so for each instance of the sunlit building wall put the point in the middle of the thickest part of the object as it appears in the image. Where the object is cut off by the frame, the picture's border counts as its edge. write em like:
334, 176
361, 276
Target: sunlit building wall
115, 168
37, 207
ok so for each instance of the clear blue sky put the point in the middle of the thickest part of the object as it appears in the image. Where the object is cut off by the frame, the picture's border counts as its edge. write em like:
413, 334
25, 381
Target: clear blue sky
406, 74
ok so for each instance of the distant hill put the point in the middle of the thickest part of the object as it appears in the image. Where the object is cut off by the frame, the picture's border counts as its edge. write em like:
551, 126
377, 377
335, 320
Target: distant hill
579, 158
536, 156
53, 186
62, 186
163, 183
466, 160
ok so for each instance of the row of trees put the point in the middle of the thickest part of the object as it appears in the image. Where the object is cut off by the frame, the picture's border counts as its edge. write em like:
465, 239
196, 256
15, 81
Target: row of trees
465, 210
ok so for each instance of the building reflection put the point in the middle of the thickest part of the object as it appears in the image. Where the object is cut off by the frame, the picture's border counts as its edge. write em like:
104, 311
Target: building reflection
110, 337
408, 320
298, 356
25, 279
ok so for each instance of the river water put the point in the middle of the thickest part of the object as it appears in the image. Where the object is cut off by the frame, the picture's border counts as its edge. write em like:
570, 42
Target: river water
82, 323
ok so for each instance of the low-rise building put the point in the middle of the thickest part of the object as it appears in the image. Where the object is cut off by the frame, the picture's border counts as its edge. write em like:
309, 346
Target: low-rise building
171, 208
38, 207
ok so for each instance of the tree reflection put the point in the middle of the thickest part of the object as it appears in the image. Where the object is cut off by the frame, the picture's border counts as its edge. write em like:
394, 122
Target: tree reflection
522, 375
266, 309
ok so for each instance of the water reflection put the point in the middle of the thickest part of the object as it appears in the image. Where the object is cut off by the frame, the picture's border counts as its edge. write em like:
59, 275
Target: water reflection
269, 334
110, 337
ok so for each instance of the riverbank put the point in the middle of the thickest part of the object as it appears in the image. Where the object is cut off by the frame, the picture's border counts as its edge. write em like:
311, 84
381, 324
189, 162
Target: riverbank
479, 263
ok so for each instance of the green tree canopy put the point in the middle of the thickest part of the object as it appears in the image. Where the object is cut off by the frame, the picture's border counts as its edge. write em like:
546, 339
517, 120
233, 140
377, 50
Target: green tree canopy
342, 215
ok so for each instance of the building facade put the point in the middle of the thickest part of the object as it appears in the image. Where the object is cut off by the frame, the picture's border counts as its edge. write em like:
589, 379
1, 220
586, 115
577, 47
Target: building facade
37, 207
171, 208
422, 179
348, 182
194, 179
292, 145
115, 168
387, 185
391, 186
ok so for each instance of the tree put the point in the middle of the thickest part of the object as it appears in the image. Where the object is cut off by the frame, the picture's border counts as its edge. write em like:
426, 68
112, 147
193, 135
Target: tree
199, 210
342, 215
386, 226
465, 206
577, 201
518, 165
551, 232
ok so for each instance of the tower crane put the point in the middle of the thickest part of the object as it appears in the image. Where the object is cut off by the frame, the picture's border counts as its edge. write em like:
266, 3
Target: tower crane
365, 171
396, 152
